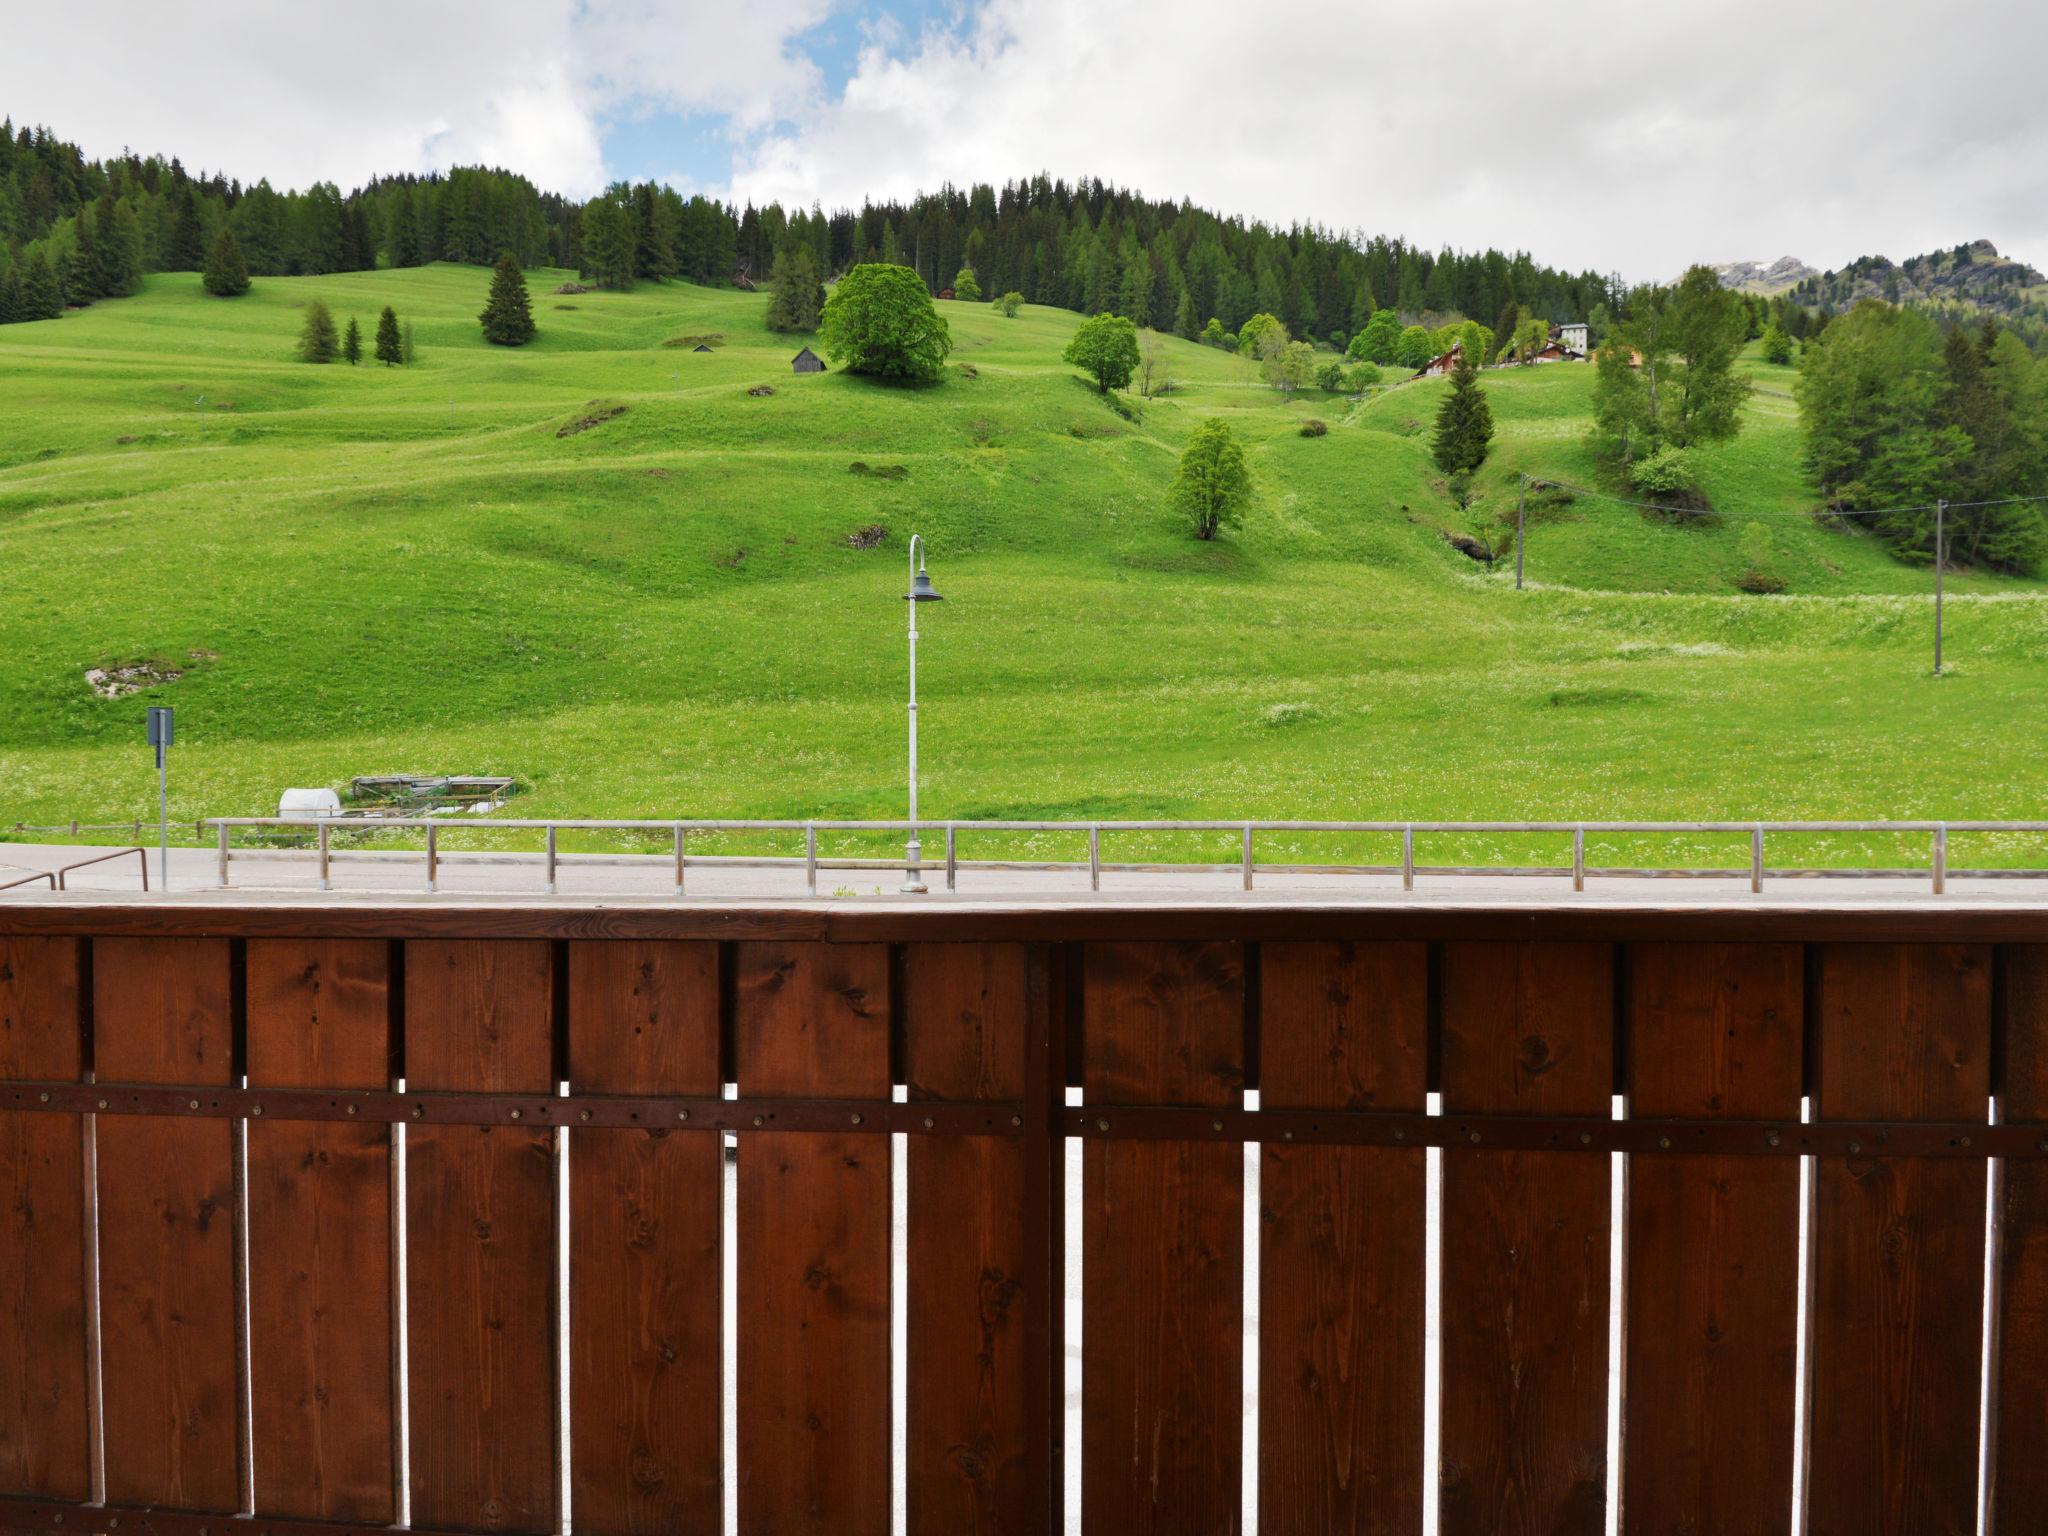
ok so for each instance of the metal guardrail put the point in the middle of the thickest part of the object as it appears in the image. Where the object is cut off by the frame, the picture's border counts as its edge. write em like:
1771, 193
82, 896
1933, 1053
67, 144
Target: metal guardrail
1936, 871
56, 876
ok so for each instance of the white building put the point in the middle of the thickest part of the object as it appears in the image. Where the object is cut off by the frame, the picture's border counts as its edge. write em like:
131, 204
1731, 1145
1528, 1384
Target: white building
1573, 337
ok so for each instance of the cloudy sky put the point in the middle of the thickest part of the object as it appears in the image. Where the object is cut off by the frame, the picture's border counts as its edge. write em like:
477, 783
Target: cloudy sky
1625, 134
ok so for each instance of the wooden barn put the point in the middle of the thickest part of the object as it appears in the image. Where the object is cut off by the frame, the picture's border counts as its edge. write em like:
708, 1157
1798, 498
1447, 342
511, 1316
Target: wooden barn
807, 361
1437, 367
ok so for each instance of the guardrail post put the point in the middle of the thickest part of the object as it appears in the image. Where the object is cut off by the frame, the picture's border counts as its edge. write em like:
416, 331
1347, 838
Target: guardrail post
1941, 859
1756, 860
1247, 855
679, 858
1095, 858
1408, 858
433, 856
326, 884
223, 855
811, 858
952, 859
551, 858
1578, 858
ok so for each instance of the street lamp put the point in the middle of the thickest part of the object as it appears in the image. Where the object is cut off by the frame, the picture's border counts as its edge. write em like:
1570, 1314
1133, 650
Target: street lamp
161, 731
920, 592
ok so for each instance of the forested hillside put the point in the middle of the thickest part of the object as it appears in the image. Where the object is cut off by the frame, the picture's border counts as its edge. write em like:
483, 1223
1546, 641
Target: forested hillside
89, 229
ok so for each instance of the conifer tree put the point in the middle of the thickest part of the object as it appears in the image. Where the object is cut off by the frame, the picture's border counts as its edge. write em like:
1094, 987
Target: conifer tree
390, 346
1464, 422
799, 297
227, 275
183, 252
407, 351
317, 340
352, 343
508, 315
10, 296
83, 279
405, 233
42, 298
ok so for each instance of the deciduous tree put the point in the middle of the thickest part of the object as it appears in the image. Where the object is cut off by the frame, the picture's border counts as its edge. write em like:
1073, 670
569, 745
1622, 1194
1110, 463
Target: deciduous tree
1106, 349
1213, 485
880, 321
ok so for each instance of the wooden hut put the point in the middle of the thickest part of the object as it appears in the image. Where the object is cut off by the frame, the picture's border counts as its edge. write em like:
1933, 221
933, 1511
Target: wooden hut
807, 361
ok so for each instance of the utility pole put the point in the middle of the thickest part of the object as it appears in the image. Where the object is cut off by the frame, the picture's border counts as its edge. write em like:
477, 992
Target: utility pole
1940, 531
1521, 522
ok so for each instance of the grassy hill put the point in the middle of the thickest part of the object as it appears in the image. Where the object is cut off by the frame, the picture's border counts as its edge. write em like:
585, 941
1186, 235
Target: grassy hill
365, 570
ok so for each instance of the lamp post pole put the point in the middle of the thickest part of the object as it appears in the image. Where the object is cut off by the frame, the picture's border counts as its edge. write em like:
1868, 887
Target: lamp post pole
160, 737
920, 592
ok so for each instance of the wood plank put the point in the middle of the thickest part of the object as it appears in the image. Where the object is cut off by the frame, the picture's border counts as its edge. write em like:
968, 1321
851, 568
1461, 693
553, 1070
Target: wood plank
2019, 1470
1523, 1439
1163, 1247
1341, 1268
1898, 1246
644, 1246
1712, 1334
162, 1013
813, 1020
970, 1260
45, 1445
480, 1234
323, 1417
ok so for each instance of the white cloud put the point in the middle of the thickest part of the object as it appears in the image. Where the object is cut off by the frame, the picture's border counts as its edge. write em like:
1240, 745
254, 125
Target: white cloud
1590, 132
1601, 133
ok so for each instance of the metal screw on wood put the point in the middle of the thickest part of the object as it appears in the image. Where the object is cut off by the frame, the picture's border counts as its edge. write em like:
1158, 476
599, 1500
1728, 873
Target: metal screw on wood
1016, 1119
1664, 1141
44, 1097
516, 1114
257, 1109
856, 1120
682, 1114
351, 1109
585, 1115
1770, 1138
929, 1122
1585, 1138
1102, 1125
758, 1120
1855, 1146
103, 1105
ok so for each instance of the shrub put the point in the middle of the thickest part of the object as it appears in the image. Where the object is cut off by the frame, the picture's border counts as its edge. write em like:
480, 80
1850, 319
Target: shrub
1315, 427
1009, 304
1668, 478
1330, 378
1365, 376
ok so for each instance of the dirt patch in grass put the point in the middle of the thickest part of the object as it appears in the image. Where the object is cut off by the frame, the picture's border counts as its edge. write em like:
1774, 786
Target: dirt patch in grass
1571, 698
598, 413
760, 391
879, 471
119, 682
869, 537
712, 339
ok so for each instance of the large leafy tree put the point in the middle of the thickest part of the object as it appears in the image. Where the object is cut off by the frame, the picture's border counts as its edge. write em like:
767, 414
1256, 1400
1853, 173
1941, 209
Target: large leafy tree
1708, 324
1213, 486
965, 288
508, 313
227, 275
1380, 341
880, 321
1464, 422
1106, 349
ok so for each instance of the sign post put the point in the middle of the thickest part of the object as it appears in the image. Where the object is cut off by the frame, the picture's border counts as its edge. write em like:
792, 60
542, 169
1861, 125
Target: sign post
160, 731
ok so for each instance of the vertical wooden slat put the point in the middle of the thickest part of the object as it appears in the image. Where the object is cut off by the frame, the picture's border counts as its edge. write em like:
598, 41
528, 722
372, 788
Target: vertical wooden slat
480, 1235
1526, 1028
45, 1445
162, 1013
1898, 1245
1341, 1268
644, 1246
1163, 1247
965, 1027
812, 1020
2019, 1467
323, 1420
1712, 1340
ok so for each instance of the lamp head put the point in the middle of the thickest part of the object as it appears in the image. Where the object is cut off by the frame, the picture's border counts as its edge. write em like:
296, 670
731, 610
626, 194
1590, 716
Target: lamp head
921, 590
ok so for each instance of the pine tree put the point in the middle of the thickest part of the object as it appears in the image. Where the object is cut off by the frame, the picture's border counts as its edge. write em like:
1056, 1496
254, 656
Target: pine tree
390, 346
183, 252
83, 280
10, 297
42, 298
227, 275
508, 316
352, 343
405, 233
317, 340
408, 353
799, 297
1464, 422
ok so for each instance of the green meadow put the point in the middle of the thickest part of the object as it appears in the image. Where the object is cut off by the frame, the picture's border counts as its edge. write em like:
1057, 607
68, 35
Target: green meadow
670, 612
